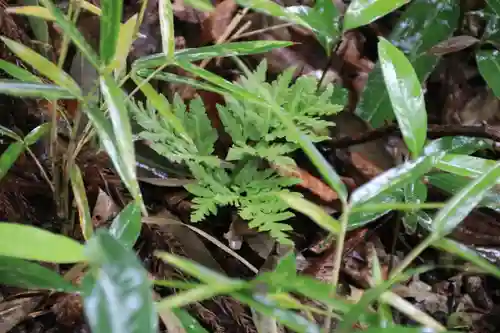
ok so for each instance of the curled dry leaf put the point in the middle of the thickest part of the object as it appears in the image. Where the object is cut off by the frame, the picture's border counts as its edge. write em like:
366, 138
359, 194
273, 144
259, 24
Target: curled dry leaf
453, 44
104, 209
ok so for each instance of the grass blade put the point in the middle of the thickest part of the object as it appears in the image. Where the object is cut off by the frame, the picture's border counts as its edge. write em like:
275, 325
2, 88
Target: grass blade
81, 202
110, 29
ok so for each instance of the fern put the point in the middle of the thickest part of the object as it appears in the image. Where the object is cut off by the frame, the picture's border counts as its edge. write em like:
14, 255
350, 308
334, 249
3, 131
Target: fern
256, 134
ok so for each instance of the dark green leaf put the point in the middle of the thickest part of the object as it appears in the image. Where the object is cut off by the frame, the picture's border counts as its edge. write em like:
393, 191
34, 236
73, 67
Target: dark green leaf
38, 244
323, 18
270, 308
488, 63
44, 66
462, 203
122, 134
467, 254
71, 30
111, 17
121, 300
206, 52
405, 94
18, 72
362, 12
189, 324
424, 24
287, 266
35, 134
36, 90
80, 195
9, 157
392, 179
25, 274
126, 226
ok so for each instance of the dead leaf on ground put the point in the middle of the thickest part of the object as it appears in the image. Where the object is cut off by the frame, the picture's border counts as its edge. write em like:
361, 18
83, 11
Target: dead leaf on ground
215, 25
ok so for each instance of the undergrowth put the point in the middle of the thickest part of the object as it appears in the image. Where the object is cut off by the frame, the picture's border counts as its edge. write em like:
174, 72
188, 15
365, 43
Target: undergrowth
243, 178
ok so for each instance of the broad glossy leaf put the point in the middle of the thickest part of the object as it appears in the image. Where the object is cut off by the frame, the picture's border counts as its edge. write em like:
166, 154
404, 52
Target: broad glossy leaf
38, 244
126, 226
111, 16
35, 134
72, 31
363, 12
82, 204
467, 254
121, 300
454, 183
34, 90
488, 63
205, 52
25, 274
423, 24
196, 270
462, 203
44, 66
9, 157
167, 28
456, 145
313, 211
271, 8
392, 179
122, 134
18, 72
270, 308
464, 165
405, 94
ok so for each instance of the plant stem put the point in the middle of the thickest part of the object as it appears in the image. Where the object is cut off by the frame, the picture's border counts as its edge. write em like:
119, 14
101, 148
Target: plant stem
413, 255
337, 262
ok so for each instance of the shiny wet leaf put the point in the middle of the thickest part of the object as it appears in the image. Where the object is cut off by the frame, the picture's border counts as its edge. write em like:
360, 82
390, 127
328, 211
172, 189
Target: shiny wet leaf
488, 63
111, 16
126, 226
121, 298
363, 12
9, 157
405, 94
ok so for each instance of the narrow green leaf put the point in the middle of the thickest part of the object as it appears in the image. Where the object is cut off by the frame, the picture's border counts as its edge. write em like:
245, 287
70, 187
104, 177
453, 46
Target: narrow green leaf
35, 134
25, 274
167, 28
461, 204
122, 133
405, 94
44, 66
392, 179
272, 309
467, 254
189, 324
38, 244
34, 90
363, 12
31, 11
39, 26
488, 63
203, 5
72, 31
313, 211
126, 226
18, 72
82, 204
125, 40
111, 17
9, 157
454, 183
464, 165
198, 294
456, 145
400, 329
121, 300
424, 24
196, 270
271, 8
205, 52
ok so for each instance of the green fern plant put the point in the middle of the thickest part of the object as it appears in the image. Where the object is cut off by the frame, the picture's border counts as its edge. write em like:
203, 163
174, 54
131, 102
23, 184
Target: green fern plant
257, 135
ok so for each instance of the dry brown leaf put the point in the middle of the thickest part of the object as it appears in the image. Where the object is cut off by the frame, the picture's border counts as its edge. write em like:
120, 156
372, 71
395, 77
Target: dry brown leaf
214, 26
